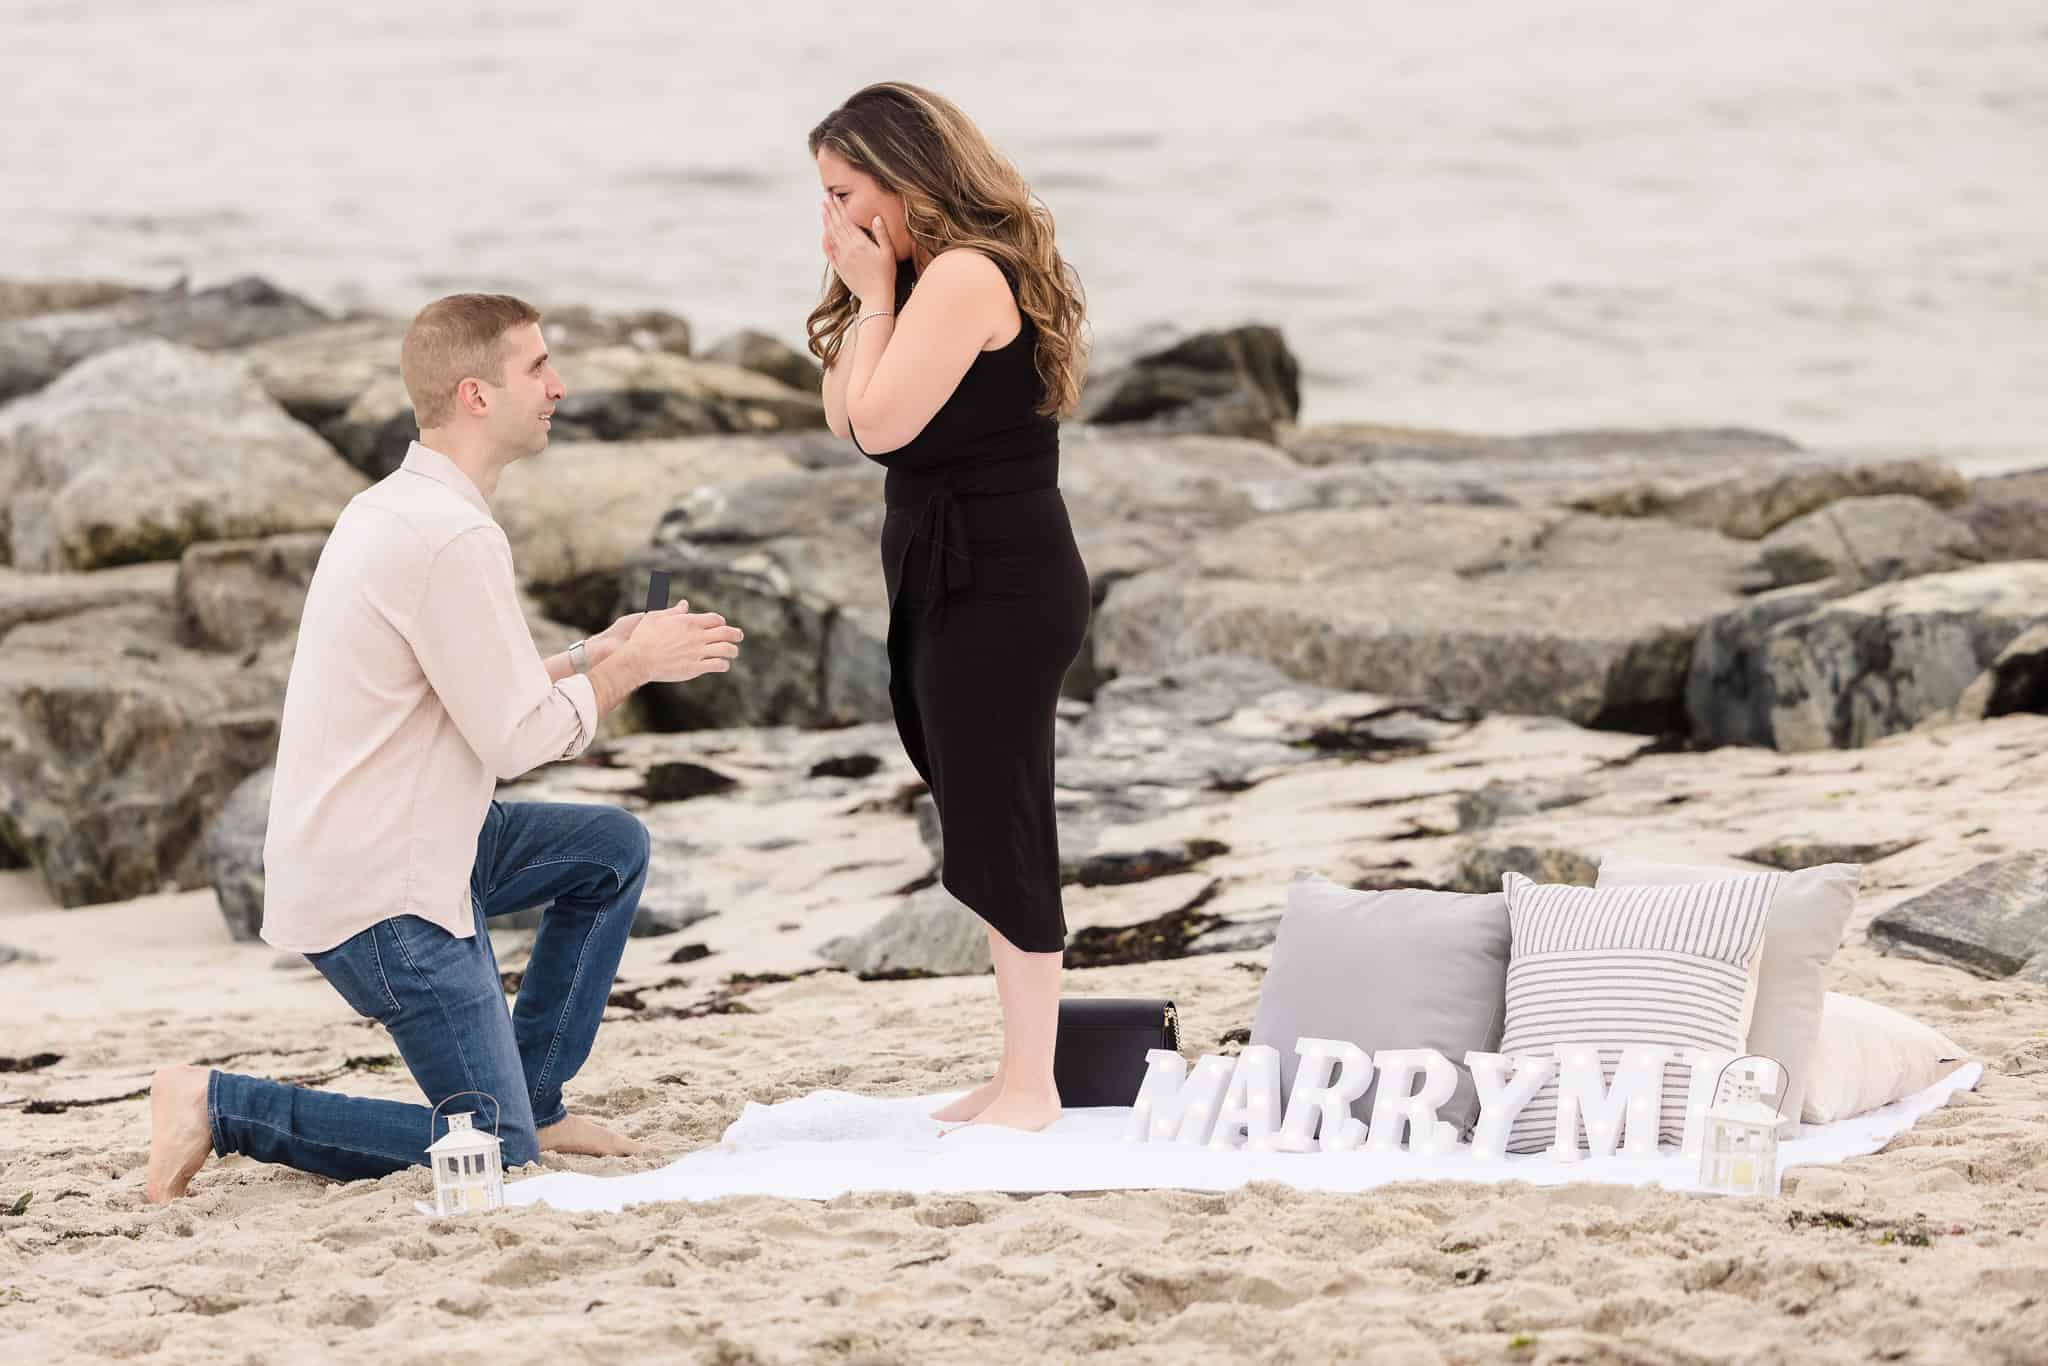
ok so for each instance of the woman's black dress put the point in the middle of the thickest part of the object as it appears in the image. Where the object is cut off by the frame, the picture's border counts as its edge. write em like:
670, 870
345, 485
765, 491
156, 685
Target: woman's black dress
988, 604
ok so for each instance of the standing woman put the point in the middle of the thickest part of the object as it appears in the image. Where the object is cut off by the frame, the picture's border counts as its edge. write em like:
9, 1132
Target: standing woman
950, 333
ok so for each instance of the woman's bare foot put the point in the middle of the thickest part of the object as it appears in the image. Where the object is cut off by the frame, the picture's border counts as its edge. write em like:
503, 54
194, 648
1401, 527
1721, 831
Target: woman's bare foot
180, 1139
1017, 1110
575, 1134
971, 1104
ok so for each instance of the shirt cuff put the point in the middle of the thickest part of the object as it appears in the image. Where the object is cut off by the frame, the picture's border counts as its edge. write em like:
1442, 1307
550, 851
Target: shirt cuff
583, 697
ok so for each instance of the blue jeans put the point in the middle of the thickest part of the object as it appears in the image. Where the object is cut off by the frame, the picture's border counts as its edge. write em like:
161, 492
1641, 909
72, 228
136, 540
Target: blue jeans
443, 1001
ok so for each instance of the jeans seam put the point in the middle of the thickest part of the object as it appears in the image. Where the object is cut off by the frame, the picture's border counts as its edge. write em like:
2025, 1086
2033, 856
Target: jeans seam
220, 1146
384, 978
447, 1019
547, 1067
618, 878
492, 861
299, 1138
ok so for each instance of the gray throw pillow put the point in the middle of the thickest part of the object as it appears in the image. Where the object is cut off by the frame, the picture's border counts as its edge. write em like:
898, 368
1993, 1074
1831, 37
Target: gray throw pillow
1399, 969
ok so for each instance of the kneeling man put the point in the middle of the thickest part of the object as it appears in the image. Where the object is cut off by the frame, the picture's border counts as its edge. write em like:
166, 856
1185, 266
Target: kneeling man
416, 688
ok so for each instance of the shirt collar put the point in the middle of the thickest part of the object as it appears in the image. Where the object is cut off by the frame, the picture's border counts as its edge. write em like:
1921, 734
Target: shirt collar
425, 460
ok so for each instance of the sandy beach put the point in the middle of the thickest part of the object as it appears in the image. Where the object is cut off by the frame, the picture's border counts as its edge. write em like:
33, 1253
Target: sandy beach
1591, 420
1931, 1251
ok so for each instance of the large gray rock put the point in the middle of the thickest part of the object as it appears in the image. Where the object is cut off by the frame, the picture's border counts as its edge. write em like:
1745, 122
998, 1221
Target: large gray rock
1204, 482
1866, 541
794, 559
1240, 382
764, 355
27, 298
2017, 681
242, 595
45, 597
141, 452
234, 855
930, 935
118, 746
615, 393
1728, 688
1500, 802
579, 511
1361, 443
621, 394
1992, 920
1588, 618
1753, 504
2009, 513
1482, 867
1791, 855
1885, 659
120, 741
573, 329
35, 350
1354, 464
318, 375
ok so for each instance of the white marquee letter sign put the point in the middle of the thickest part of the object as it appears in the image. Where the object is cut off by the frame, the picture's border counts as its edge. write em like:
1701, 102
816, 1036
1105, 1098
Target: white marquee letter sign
1505, 1085
1158, 1095
1235, 1103
1634, 1101
1251, 1107
1319, 1109
1393, 1106
1173, 1106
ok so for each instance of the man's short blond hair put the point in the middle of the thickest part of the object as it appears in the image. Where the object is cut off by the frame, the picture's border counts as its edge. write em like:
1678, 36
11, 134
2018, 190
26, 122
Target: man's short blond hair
453, 339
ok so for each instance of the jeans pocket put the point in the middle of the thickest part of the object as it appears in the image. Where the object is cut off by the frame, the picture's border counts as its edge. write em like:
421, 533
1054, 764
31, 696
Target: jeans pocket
355, 969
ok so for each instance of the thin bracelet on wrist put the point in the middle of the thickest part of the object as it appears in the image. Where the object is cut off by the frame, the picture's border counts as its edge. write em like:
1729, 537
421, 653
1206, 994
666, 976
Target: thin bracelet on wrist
879, 313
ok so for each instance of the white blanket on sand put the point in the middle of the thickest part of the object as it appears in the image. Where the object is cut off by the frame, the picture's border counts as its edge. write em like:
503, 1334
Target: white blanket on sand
831, 1142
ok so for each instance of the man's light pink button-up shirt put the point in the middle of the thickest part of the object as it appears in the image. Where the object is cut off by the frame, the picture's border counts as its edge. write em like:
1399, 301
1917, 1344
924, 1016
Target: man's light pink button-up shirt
416, 687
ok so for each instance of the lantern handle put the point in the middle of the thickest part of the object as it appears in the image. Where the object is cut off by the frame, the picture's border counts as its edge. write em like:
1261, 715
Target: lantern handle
1784, 1078
495, 1111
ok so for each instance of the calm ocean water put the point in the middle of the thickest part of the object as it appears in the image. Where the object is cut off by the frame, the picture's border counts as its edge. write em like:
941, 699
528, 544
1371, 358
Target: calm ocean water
1825, 218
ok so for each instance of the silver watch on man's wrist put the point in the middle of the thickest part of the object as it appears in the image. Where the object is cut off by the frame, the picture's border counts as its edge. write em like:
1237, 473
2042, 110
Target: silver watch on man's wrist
579, 657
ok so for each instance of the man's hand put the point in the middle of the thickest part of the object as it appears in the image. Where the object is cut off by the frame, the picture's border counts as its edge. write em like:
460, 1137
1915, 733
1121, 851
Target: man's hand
677, 645
606, 643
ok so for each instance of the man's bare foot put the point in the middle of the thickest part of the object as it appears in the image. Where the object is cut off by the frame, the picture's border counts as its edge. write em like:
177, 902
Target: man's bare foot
180, 1139
1016, 1110
971, 1104
575, 1134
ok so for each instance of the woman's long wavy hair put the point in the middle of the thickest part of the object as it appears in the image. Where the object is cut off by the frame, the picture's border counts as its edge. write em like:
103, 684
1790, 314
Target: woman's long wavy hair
957, 191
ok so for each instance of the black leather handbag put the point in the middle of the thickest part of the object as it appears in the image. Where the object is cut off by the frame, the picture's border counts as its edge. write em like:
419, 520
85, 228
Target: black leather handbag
1100, 1056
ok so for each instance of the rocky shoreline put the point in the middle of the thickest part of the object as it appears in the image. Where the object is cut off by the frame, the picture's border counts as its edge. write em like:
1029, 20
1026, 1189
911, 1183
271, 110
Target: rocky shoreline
1272, 598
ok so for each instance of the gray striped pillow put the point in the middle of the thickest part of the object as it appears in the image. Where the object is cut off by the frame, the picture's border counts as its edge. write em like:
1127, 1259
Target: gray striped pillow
1673, 966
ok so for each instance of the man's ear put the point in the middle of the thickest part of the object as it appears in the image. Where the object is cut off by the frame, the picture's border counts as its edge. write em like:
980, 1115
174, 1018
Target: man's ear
470, 394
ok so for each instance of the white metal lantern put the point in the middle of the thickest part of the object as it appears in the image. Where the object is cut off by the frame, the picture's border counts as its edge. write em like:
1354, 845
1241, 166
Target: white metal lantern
1739, 1155
469, 1170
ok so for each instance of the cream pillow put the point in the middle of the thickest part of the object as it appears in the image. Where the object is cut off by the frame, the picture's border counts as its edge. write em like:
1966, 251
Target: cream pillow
1808, 917
1869, 1056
